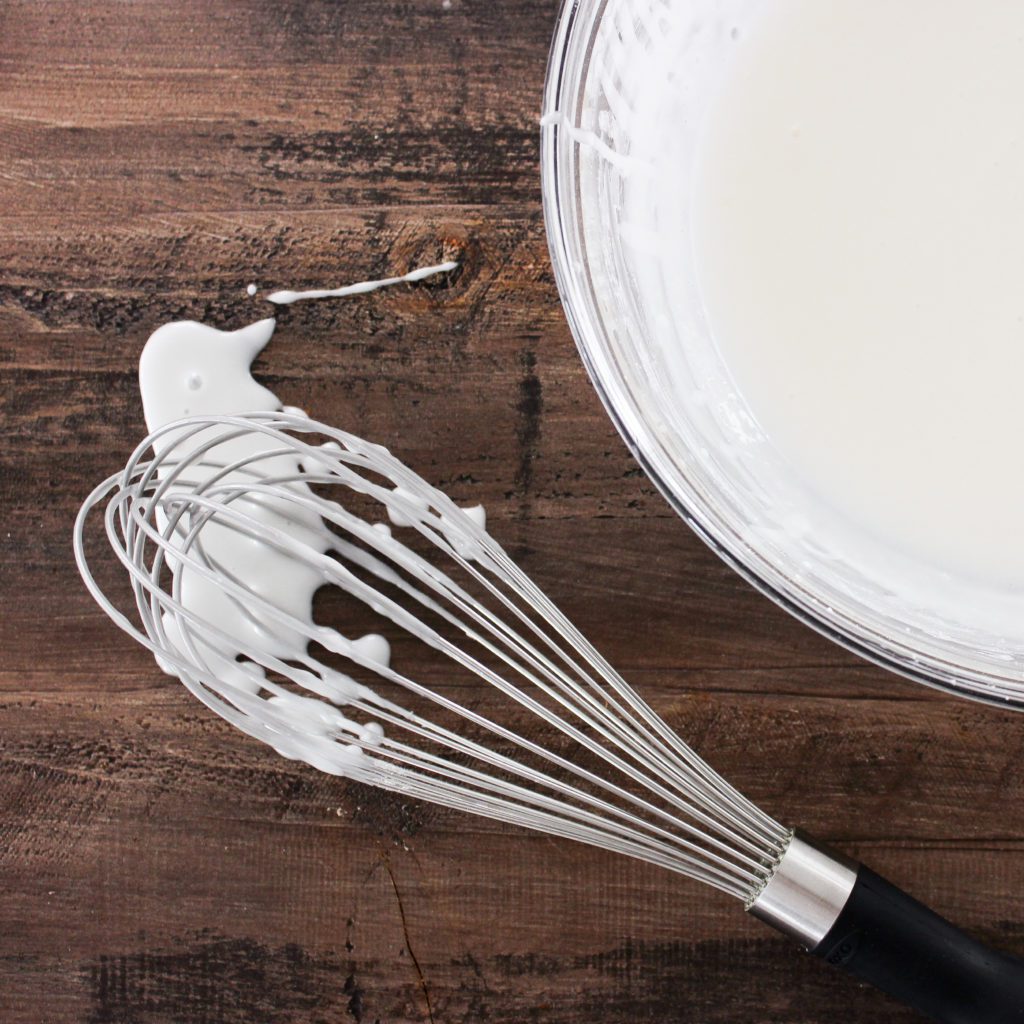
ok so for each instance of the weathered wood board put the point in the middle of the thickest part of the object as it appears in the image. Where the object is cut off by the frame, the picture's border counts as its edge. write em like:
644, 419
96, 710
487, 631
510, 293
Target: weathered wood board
157, 868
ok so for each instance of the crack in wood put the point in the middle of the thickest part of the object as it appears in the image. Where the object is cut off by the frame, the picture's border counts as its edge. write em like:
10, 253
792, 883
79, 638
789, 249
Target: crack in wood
408, 941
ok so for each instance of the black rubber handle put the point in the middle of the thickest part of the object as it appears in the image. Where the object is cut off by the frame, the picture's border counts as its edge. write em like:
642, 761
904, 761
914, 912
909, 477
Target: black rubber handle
900, 946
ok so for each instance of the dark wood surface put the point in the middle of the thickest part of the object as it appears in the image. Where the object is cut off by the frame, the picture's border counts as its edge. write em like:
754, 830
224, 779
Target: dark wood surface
157, 867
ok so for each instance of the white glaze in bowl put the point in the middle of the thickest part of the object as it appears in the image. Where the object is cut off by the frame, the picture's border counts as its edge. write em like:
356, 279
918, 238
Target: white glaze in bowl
655, 364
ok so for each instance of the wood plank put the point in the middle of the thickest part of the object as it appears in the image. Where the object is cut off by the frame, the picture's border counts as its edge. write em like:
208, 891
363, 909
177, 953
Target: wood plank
157, 867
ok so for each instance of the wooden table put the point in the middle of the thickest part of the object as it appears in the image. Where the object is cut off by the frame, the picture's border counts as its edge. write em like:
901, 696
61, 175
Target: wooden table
155, 866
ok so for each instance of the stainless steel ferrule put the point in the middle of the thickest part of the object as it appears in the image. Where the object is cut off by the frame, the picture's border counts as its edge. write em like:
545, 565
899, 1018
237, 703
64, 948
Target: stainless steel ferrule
808, 891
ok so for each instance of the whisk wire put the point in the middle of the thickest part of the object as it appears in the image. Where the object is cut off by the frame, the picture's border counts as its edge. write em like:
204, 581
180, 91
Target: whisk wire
210, 504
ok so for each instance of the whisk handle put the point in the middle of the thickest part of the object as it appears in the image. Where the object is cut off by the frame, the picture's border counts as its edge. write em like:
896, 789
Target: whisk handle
854, 919
889, 939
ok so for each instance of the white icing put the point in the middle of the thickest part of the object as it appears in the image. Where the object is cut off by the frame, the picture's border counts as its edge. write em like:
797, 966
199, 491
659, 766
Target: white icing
583, 137
283, 298
859, 233
276, 559
250, 290
374, 648
416, 502
478, 514
187, 369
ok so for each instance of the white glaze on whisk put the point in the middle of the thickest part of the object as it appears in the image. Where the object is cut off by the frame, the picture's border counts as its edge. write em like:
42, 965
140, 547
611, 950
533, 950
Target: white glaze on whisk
189, 368
647, 794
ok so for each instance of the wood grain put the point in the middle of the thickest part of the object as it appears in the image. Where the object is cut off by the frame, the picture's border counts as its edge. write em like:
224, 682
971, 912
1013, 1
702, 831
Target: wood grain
155, 866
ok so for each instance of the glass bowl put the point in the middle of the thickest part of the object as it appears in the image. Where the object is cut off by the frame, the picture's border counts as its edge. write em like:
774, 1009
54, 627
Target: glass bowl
644, 338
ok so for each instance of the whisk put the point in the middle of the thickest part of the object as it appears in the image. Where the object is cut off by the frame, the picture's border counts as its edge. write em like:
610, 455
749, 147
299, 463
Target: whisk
227, 525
